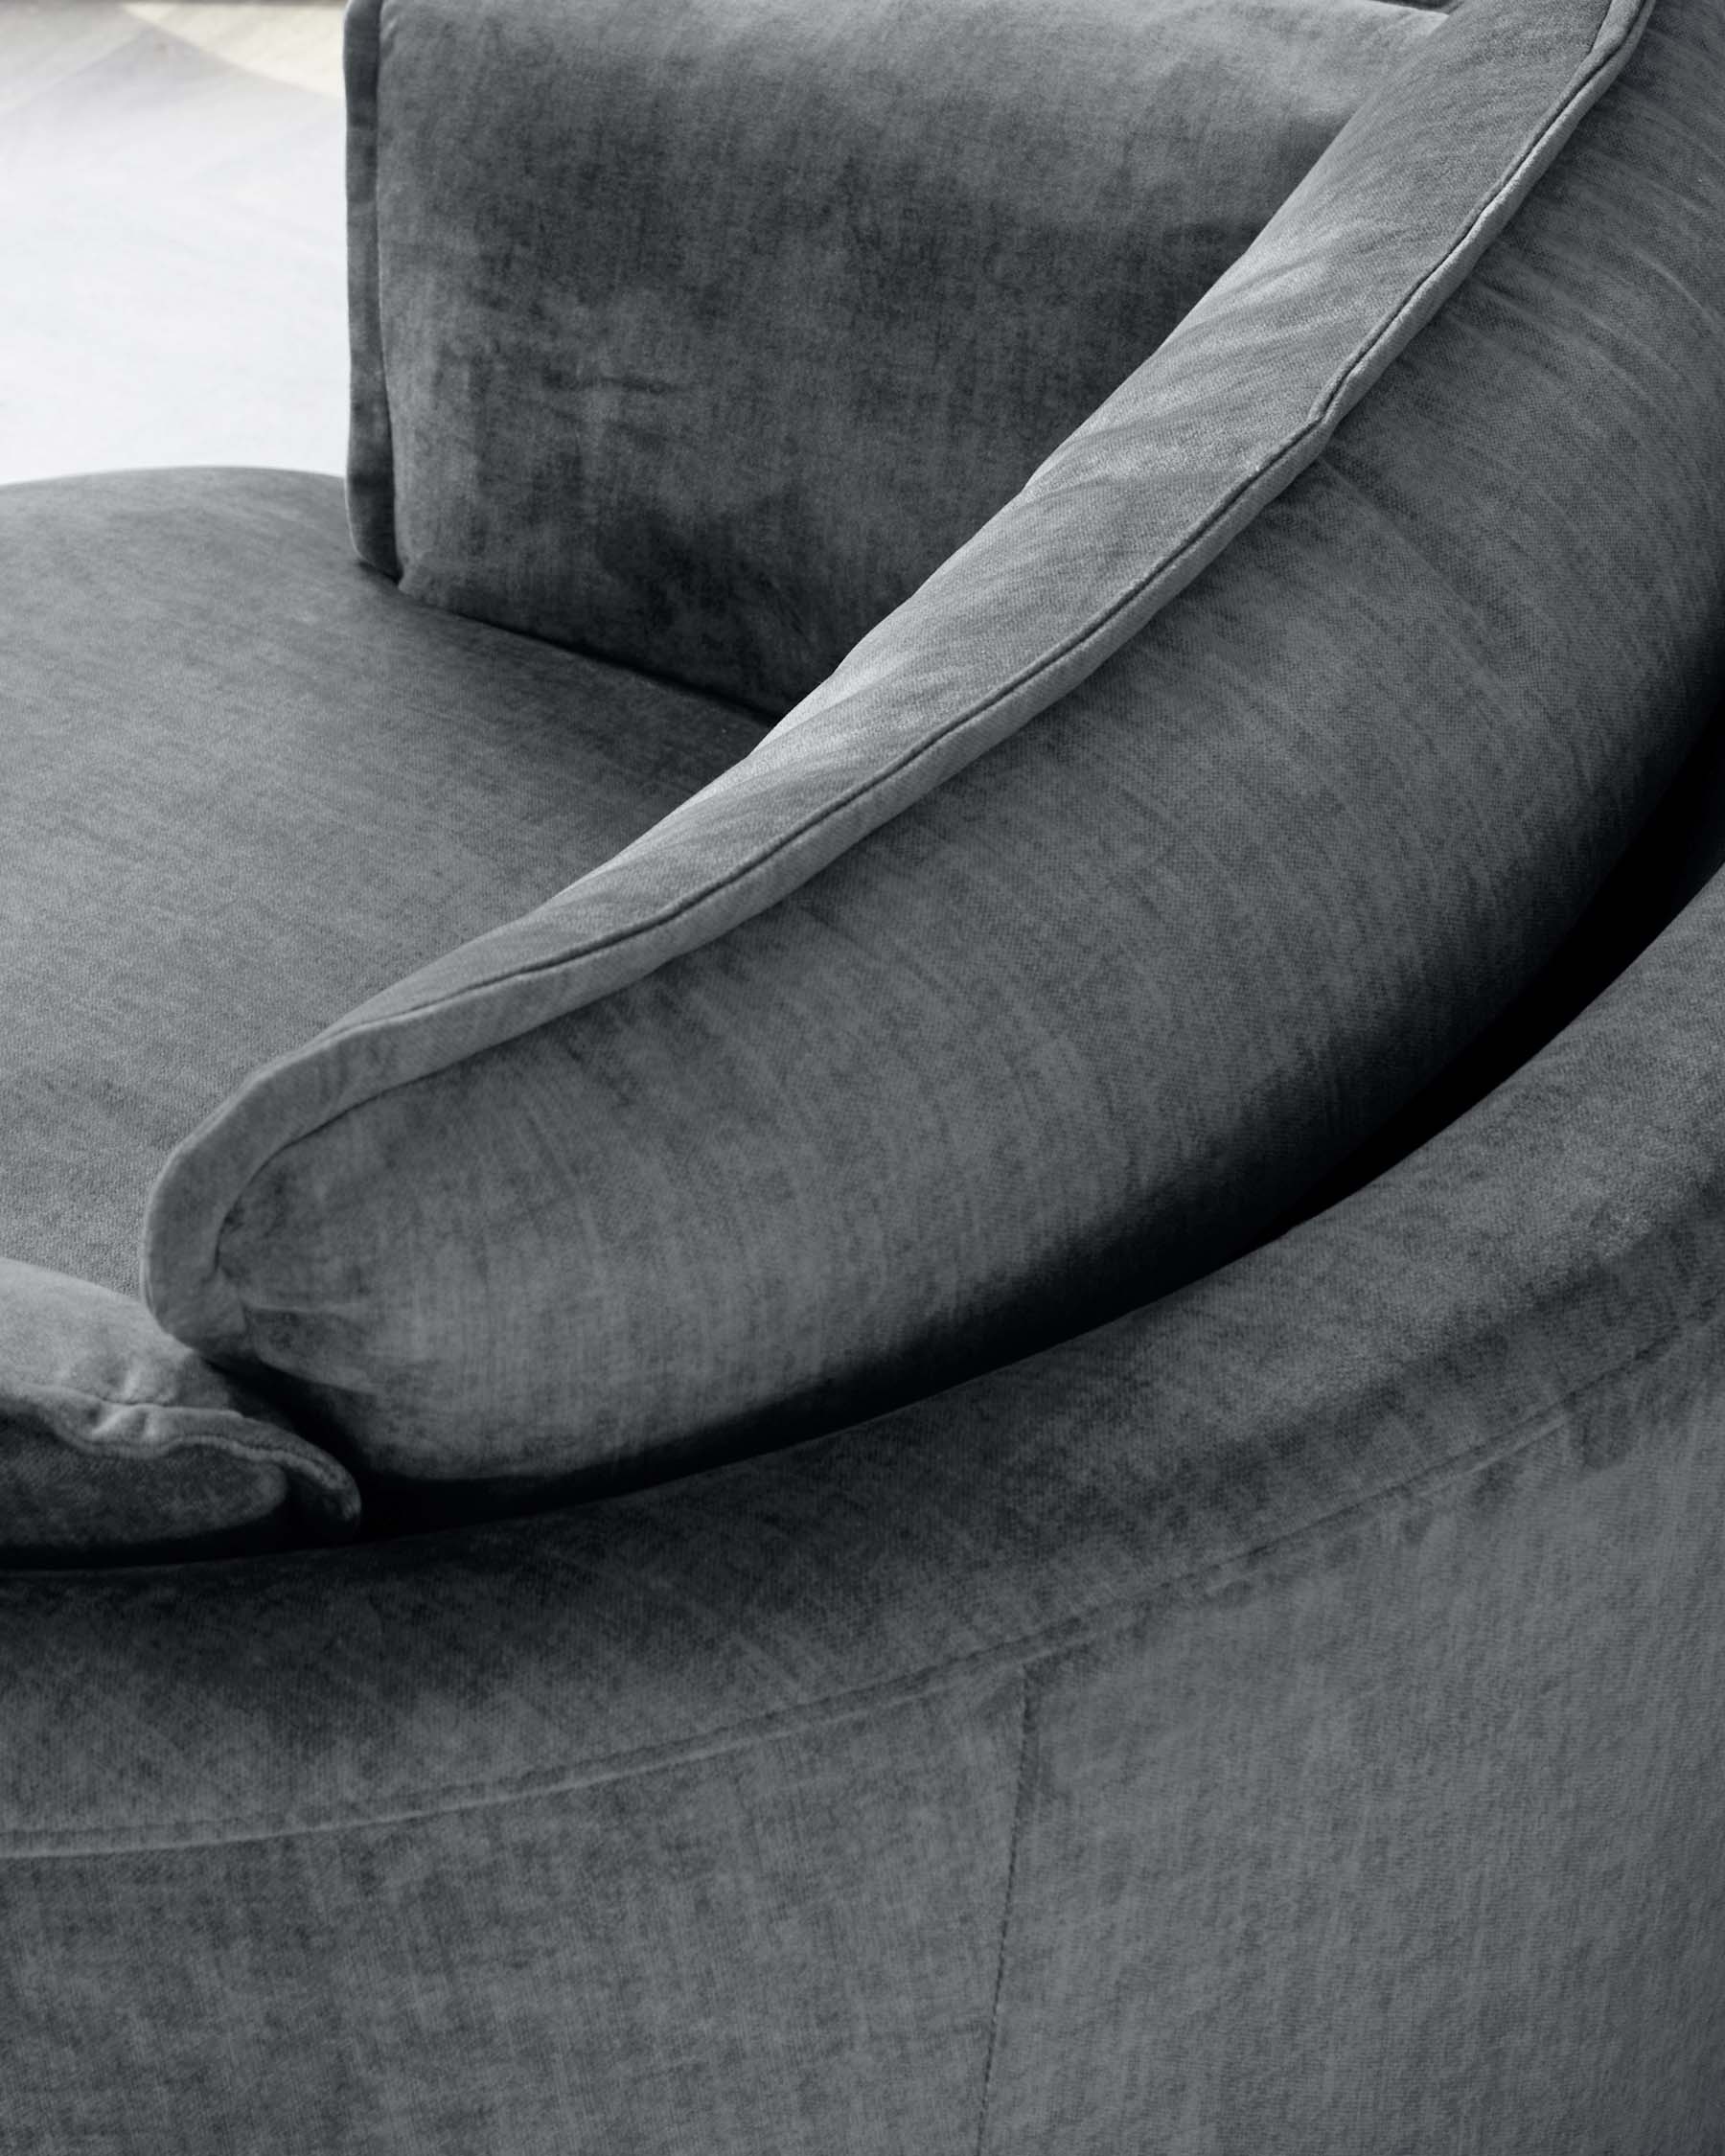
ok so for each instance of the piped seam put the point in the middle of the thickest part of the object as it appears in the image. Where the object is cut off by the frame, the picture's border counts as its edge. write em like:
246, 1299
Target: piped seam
1008, 1894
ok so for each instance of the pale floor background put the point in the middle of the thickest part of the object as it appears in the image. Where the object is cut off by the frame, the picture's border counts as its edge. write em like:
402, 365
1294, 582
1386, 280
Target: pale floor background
174, 271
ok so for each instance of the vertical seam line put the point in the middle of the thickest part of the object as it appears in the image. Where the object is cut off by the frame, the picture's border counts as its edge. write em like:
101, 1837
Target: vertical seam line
1020, 1805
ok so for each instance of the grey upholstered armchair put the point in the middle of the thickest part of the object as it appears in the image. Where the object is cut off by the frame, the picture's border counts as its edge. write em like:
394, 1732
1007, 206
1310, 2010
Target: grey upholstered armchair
927, 1117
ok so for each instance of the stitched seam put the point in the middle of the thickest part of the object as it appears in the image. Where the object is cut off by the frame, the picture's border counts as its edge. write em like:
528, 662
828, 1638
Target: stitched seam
1319, 416
1088, 1628
817, 818
206, 1434
1019, 1806
1597, 58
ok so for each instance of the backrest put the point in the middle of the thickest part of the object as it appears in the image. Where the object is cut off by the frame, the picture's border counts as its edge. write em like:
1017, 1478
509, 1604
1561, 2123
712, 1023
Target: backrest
754, 313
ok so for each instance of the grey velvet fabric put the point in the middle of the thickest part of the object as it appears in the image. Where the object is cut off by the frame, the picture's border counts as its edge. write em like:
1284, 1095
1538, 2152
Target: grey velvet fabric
754, 315
1286, 1720
1083, 1019
246, 784
117, 1443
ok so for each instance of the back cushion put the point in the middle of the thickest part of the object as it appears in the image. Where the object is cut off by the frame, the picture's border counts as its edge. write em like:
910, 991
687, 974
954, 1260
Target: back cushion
1188, 819
750, 313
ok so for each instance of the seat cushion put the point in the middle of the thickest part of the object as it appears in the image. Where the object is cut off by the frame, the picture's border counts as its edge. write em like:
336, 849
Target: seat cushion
247, 784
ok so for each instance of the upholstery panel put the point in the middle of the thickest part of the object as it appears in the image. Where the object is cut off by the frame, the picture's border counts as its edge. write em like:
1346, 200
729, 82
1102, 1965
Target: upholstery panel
1418, 1850
773, 1949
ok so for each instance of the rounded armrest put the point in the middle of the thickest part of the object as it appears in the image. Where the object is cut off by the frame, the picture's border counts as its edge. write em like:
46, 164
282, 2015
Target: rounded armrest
1324, 1661
1529, 1285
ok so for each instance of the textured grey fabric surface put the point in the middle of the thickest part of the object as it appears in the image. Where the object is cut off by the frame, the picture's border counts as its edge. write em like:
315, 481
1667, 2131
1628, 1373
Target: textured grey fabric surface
117, 1442
1081, 1020
246, 783
763, 310
1286, 1720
